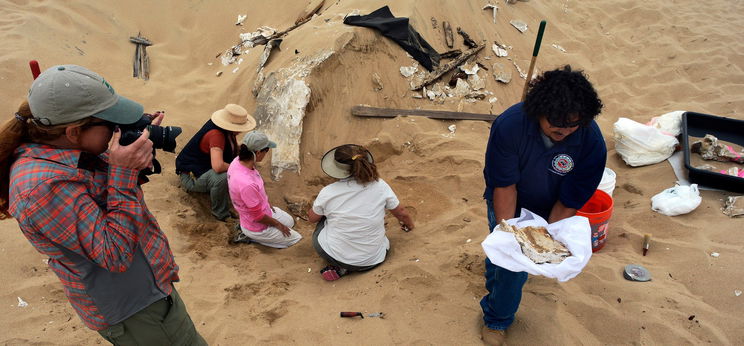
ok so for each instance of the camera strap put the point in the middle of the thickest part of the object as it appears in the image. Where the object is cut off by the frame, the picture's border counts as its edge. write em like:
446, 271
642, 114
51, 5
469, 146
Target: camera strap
92, 162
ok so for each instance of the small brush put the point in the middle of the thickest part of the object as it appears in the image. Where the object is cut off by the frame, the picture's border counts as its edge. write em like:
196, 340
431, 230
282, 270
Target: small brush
351, 314
646, 243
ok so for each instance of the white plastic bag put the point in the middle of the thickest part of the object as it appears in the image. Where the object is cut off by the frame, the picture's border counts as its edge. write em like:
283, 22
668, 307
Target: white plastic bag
669, 124
640, 144
574, 232
677, 200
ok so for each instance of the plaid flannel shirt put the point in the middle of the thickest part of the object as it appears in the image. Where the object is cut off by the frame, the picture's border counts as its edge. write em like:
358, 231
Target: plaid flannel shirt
97, 212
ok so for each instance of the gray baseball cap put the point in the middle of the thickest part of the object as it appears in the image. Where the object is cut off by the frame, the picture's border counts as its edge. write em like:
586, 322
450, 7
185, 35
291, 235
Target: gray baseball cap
66, 93
256, 141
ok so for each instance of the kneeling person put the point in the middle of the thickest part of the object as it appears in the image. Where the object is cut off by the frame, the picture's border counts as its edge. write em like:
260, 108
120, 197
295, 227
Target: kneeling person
204, 160
350, 234
259, 221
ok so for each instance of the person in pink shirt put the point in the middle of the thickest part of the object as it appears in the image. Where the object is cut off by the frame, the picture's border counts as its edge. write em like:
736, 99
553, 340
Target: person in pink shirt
259, 221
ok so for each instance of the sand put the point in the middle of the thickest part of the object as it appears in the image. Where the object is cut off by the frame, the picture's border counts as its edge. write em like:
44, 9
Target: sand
645, 59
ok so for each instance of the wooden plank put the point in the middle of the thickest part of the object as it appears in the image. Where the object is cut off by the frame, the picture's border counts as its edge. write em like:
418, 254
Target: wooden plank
145, 64
448, 37
367, 111
140, 40
141, 63
282, 33
436, 74
311, 8
135, 65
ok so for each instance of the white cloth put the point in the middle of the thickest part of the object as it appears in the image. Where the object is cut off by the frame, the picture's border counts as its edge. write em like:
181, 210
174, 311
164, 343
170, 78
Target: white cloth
354, 232
272, 236
676, 200
670, 123
640, 144
574, 232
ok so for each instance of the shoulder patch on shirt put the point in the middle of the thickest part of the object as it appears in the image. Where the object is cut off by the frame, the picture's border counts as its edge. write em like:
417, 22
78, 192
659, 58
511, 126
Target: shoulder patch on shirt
562, 164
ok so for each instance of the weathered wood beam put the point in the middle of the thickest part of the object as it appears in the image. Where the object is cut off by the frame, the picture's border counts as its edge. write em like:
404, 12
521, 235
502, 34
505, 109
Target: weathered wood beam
448, 37
140, 40
311, 8
367, 111
438, 73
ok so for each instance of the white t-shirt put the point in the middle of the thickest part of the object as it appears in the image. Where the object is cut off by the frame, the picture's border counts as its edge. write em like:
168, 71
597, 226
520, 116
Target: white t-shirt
354, 232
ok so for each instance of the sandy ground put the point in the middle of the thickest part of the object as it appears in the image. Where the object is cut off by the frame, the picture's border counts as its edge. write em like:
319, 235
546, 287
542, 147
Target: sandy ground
645, 59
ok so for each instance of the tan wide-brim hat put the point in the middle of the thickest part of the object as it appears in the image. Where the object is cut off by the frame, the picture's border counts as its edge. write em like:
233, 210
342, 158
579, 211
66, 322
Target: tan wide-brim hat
234, 118
336, 169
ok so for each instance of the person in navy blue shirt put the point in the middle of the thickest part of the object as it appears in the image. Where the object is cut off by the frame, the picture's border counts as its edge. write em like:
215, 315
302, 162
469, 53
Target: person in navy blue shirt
546, 155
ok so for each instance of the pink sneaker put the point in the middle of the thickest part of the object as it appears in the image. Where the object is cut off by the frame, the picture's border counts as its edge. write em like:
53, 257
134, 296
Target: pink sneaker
332, 273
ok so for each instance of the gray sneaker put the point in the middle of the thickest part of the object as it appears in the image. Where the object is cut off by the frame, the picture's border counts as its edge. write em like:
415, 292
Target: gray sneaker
239, 236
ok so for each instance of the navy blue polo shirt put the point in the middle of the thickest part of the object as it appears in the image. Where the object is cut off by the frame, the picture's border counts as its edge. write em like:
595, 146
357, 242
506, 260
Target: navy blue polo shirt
569, 171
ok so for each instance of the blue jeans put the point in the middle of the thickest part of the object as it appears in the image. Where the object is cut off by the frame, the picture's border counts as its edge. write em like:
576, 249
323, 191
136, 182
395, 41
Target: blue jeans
504, 289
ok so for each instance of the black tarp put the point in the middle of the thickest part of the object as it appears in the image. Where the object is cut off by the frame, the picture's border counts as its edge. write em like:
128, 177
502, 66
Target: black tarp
400, 31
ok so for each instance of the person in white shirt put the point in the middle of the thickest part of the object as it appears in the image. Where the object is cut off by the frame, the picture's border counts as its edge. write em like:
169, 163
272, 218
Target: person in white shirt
350, 234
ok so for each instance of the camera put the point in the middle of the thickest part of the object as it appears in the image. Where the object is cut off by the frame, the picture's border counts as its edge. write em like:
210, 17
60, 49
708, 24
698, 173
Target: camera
162, 137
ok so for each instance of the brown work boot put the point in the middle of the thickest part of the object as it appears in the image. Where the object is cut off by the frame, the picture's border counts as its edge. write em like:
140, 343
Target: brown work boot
493, 337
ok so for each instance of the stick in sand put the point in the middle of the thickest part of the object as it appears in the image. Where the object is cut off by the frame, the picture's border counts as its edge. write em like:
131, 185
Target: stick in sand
538, 41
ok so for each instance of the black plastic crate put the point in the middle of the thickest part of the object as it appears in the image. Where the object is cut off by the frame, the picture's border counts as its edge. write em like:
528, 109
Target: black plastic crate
725, 129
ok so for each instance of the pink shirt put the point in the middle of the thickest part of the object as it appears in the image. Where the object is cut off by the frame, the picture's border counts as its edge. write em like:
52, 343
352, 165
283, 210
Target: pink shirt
248, 195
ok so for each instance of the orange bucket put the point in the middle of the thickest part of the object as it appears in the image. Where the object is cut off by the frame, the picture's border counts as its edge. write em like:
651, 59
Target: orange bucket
598, 210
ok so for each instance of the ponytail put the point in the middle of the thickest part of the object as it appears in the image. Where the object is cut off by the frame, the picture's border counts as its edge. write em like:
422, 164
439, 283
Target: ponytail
246, 155
363, 170
16, 131
12, 133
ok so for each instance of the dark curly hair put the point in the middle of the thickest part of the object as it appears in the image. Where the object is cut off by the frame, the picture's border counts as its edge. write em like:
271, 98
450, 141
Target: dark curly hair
560, 95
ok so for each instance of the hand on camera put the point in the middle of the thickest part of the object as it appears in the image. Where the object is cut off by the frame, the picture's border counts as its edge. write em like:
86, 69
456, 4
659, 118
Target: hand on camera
157, 118
137, 155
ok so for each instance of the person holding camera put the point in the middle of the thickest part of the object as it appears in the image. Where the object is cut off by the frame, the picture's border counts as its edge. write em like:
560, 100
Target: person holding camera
203, 162
77, 200
259, 221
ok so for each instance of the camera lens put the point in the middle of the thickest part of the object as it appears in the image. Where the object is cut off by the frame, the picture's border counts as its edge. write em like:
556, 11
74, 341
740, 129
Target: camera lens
164, 137
168, 137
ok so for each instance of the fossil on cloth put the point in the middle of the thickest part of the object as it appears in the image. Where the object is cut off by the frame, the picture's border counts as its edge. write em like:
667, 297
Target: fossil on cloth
537, 244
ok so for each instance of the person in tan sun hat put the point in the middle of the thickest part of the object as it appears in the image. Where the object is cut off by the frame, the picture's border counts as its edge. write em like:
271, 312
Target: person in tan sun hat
203, 162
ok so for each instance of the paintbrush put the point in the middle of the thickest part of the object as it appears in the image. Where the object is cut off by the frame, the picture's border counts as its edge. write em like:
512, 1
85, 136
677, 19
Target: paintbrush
646, 243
